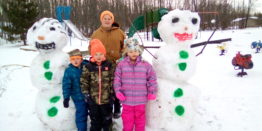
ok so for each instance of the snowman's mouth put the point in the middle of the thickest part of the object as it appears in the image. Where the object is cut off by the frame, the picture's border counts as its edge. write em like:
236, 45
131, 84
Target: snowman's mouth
183, 37
45, 46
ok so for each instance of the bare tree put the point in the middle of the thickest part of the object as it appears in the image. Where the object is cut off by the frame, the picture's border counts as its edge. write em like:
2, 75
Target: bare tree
250, 6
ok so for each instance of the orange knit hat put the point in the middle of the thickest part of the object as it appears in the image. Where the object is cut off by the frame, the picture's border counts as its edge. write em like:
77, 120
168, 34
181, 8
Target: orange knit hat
96, 46
106, 12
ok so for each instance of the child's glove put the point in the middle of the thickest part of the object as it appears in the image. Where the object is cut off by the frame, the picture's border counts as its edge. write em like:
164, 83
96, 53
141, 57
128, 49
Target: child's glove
151, 97
66, 102
120, 96
87, 98
112, 98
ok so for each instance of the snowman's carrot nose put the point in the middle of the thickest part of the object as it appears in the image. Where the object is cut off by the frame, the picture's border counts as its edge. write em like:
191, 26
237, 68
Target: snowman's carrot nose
186, 28
41, 38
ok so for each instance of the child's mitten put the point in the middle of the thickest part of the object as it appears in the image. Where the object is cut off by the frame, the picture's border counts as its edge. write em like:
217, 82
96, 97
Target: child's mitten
66, 102
120, 96
87, 98
151, 97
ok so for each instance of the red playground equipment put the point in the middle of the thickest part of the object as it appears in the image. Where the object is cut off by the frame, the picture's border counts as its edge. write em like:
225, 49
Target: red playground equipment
241, 62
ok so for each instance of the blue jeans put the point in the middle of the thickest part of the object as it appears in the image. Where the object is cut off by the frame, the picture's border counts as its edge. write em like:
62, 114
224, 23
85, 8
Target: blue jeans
81, 115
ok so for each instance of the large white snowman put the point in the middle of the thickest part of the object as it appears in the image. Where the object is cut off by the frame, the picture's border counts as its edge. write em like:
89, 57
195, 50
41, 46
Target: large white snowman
175, 106
47, 70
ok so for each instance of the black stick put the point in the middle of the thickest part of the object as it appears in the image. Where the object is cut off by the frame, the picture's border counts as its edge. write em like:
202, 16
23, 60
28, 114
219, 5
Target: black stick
199, 44
210, 42
207, 42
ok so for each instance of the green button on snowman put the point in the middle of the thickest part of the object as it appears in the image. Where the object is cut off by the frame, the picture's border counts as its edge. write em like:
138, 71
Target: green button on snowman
176, 102
47, 70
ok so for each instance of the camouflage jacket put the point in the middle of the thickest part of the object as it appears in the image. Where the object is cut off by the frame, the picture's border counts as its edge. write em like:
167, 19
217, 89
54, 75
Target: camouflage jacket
97, 81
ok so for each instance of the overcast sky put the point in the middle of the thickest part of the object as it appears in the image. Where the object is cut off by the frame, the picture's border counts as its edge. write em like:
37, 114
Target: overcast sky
258, 6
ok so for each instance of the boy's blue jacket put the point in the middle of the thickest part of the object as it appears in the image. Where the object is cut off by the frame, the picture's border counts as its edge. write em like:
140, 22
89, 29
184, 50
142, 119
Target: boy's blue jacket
71, 82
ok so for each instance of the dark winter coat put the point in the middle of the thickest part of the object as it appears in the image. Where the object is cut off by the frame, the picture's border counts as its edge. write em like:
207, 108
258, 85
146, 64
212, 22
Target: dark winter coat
112, 39
99, 91
71, 82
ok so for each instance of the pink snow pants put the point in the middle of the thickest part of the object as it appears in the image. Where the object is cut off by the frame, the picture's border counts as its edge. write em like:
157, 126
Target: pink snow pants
134, 116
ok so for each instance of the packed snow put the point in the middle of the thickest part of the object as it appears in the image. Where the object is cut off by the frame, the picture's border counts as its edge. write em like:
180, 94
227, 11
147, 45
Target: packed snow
47, 70
175, 64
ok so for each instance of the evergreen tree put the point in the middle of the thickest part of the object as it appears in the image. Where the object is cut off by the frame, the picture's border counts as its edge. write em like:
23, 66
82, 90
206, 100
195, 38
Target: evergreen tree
20, 14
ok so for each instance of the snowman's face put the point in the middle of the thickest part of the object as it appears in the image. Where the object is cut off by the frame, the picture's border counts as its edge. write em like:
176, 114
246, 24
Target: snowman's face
179, 26
47, 35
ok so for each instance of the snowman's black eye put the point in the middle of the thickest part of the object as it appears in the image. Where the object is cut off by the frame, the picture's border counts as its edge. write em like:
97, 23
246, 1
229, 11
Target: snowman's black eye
175, 20
52, 28
194, 20
34, 27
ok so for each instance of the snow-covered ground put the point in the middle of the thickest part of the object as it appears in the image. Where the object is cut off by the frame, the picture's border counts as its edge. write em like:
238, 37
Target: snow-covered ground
227, 103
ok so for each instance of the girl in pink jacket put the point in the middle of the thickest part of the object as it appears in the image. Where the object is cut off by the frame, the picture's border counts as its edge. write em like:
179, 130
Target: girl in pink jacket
134, 84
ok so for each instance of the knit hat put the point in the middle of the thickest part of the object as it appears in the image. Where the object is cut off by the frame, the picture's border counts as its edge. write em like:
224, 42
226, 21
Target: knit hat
75, 52
96, 46
106, 12
132, 44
